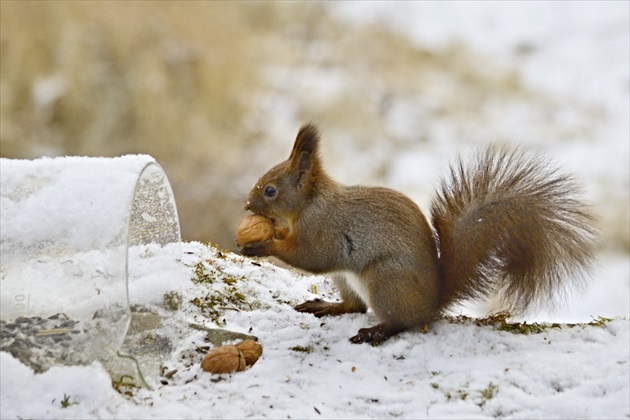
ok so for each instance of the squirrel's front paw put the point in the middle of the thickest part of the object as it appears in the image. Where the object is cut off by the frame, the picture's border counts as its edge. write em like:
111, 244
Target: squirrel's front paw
257, 249
321, 308
316, 307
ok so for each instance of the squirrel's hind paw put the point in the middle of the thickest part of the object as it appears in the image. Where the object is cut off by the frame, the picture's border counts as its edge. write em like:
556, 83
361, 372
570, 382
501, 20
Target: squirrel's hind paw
377, 334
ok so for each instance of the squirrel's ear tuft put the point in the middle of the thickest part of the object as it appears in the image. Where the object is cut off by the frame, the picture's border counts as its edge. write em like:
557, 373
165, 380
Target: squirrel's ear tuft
304, 159
307, 140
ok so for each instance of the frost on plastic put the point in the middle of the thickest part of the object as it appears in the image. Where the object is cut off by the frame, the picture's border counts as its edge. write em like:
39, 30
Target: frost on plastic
67, 229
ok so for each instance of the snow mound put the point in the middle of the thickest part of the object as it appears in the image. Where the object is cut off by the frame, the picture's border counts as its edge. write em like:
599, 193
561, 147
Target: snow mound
309, 369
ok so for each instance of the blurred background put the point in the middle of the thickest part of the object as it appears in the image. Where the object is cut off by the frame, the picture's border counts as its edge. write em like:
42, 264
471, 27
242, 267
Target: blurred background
216, 92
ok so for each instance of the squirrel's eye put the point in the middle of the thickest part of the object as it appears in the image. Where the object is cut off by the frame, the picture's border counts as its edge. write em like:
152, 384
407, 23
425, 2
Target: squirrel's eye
270, 192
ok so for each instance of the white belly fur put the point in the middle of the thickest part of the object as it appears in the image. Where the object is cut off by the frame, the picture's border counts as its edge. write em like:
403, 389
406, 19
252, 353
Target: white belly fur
354, 282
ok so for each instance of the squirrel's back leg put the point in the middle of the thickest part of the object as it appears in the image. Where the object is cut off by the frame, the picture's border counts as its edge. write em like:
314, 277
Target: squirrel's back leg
350, 302
400, 298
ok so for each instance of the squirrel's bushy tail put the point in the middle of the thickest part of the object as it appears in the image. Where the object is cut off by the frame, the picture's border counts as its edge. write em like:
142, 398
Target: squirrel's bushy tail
511, 224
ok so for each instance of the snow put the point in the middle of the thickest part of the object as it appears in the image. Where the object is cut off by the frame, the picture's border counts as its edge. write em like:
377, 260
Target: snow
107, 186
457, 369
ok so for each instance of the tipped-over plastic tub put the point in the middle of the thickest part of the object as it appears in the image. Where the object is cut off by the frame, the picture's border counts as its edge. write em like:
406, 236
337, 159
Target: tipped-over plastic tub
67, 226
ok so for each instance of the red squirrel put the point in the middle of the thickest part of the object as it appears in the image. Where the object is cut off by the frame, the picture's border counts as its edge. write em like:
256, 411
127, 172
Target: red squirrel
505, 223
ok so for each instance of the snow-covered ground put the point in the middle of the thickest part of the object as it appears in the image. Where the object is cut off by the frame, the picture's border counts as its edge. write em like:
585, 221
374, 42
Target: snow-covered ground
309, 369
576, 51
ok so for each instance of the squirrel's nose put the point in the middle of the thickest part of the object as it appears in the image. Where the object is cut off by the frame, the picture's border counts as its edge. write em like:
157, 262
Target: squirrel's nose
247, 205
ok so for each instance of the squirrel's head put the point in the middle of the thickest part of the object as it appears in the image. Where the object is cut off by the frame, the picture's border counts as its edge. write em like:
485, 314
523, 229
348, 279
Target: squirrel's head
281, 192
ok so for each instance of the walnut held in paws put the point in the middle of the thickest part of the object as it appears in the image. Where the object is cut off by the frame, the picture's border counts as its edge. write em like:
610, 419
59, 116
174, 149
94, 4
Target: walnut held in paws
251, 350
254, 228
224, 359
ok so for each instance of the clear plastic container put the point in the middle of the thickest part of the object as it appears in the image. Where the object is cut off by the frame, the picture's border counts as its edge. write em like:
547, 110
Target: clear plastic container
66, 229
